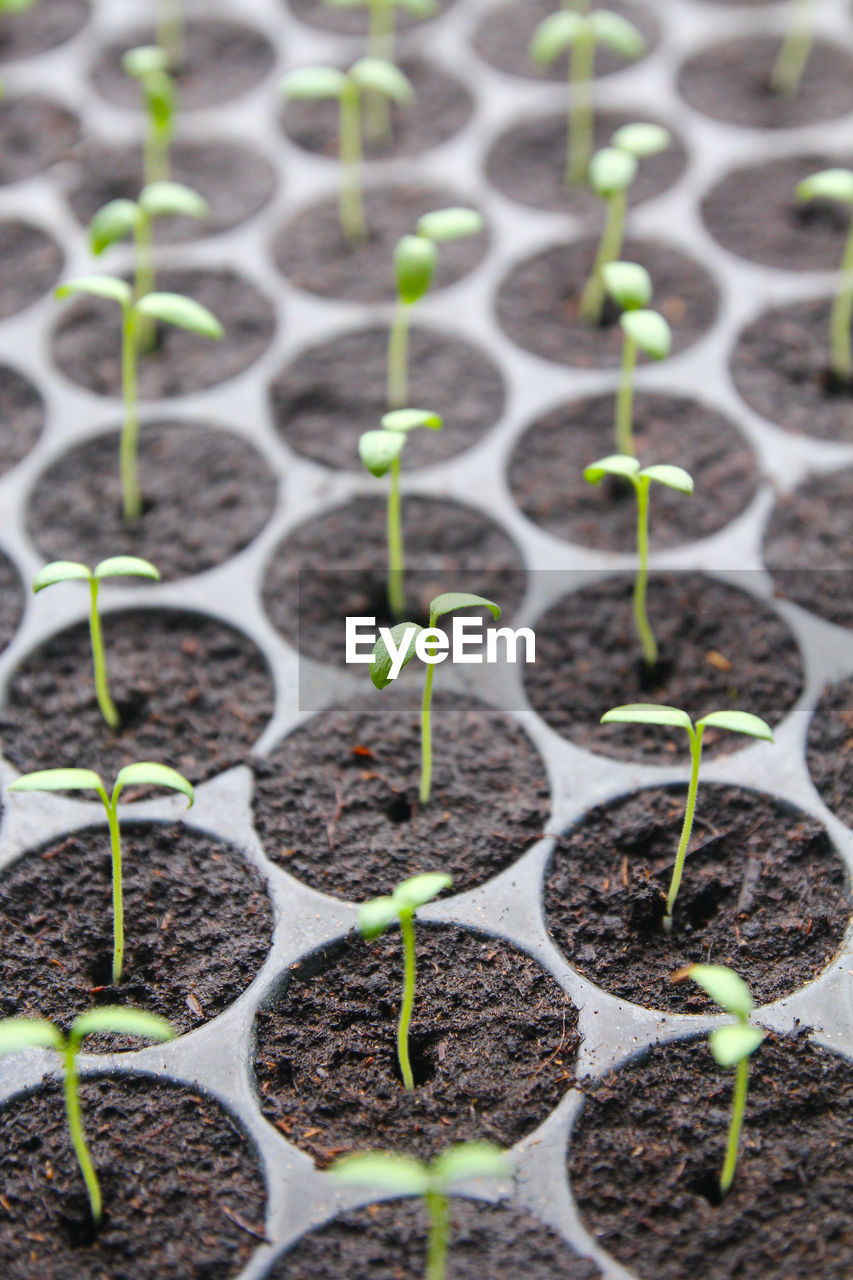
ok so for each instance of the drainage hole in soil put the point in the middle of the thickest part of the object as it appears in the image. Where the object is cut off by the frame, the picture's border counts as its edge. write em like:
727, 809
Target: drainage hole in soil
838, 388
399, 810
707, 1185
420, 1056
655, 679
81, 1231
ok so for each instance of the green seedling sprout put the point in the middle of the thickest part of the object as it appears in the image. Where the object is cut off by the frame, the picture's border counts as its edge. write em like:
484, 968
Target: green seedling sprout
149, 65
732, 1045
381, 451
375, 916
169, 308
628, 468
837, 184
582, 33
405, 638
373, 75
794, 54
630, 287
405, 1176
673, 718
143, 774
415, 261
171, 31
17, 1034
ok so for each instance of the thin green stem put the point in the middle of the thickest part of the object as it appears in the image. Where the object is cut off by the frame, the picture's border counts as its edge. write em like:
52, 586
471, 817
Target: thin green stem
592, 298
381, 33
171, 31
397, 389
351, 203
99, 662
581, 67
75, 1128
438, 1210
118, 891
641, 620
129, 444
842, 311
426, 731
794, 54
407, 929
625, 399
736, 1124
144, 280
687, 825
156, 159
396, 584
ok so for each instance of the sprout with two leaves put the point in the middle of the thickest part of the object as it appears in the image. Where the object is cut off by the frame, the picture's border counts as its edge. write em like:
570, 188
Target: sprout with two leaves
837, 184
630, 287
17, 1034
375, 916
674, 718
794, 54
149, 65
405, 1176
732, 1045
143, 774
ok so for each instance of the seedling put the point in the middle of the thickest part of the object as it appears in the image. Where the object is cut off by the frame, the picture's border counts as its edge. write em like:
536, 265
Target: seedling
415, 261
582, 33
170, 308
405, 1176
382, 16
143, 774
628, 468
630, 287
794, 54
149, 65
375, 916
17, 1034
430, 645
837, 184
381, 451
171, 31
673, 718
375, 75
732, 1045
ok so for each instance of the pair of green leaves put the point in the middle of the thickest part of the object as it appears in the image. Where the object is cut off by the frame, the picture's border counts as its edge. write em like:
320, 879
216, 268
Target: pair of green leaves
113, 567
379, 449
557, 33
373, 75
416, 256
149, 64
375, 916
674, 718
447, 602
121, 218
17, 1034
736, 1042
628, 468
613, 168
170, 308
630, 286
404, 1175
145, 773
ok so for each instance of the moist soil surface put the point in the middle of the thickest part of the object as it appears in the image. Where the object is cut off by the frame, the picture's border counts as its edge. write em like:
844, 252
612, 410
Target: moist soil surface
337, 804
830, 749
538, 302
21, 417
731, 81
191, 692
808, 546
719, 649
183, 1188
528, 161
75, 511
347, 20
311, 250
335, 566
546, 472
87, 340
493, 1044
764, 892
47, 24
30, 265
35, 132
781, 367
323, 400
389, 1240
647, 1151
222, 60
198, 926
503, 38
11, 600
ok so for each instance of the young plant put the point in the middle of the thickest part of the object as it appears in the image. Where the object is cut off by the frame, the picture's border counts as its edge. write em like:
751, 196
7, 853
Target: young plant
375, 916
628, 468
630, 287
405, 1176
169, 308
149, 65
582, 33
17, 1034
415, 261
837, 184
794, 54
382, 17
430, 645
732, 1045
171, 31
381, 451
143, 774
673, 718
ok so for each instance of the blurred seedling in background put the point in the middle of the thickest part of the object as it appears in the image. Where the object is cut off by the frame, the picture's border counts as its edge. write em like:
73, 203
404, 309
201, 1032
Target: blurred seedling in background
582, 33
17, 1034
673, 718
373, 75
628, 468
837, 184
171, 31
630, 287
732, 1045
144, 774
168, 308
381, 451
415, 262
405, 1176
794, 54
149, 65
374, 918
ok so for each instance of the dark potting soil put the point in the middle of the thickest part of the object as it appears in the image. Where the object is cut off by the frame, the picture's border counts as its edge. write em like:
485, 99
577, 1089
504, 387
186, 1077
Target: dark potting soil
538, 302
648, 1148
87, 340
528, 160
222, 60
731, 81
11, 600
808, 546
35, 132
830, 748
311, 251
442, 107
21, 417
330, 393
183, 1188
546, 472
493, 1045
75, 512
235, 181
337, 804
503, 38
192, 693
30, 264
764, 891
389, 1240
781, 367
348, 20
198, 926
720, 649
335, 566
47, 24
